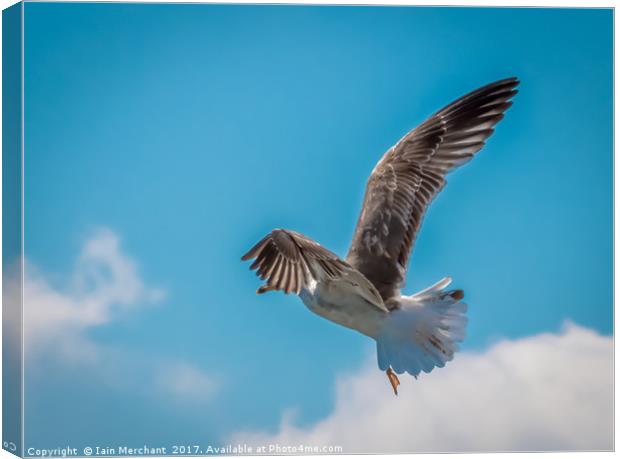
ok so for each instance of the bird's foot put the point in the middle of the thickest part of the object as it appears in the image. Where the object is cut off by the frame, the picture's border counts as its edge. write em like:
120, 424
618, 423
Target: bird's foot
394, 381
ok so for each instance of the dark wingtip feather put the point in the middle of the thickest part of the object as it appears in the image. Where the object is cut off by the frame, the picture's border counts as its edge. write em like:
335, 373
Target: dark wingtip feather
506, 81
256, 248
248, 255
264, 288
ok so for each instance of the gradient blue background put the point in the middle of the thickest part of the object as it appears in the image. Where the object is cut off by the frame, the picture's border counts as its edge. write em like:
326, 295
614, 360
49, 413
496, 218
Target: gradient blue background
192, 130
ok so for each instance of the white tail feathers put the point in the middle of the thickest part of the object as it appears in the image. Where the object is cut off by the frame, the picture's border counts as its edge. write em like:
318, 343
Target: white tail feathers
424, 331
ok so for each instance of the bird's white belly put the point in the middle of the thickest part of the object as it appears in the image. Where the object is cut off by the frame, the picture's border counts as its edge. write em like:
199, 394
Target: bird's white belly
340, 302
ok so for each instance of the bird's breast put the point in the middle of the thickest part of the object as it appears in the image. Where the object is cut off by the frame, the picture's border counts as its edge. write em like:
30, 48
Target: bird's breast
340, 301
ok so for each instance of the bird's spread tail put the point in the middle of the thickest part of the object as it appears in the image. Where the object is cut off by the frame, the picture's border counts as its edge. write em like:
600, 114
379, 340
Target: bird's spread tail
424, 331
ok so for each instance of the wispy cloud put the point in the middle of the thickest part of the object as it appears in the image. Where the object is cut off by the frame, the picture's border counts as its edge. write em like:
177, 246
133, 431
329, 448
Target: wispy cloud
186, 383
545, 392
105, 284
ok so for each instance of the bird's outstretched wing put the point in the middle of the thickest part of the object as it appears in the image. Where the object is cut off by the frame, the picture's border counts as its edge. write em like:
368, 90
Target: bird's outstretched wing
290, 261
410, 175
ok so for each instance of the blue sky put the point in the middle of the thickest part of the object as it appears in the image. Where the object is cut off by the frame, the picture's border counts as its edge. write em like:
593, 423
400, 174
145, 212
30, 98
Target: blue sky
189, 131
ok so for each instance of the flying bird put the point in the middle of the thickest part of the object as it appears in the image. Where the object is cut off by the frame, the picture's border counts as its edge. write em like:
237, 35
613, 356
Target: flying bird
413, 333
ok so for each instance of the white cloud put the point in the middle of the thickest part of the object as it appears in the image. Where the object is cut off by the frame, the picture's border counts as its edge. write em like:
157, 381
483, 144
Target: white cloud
105, 283
59, 317
186, 383
545, 392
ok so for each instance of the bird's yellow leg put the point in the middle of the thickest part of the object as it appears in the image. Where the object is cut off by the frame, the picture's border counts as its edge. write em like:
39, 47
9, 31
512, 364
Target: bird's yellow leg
393, 380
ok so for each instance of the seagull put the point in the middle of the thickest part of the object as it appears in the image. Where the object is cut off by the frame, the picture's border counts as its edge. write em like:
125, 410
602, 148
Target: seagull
414, 333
